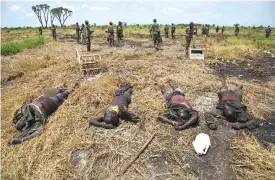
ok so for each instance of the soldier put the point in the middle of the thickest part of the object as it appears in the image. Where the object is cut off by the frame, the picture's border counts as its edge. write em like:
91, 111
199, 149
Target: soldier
173, 30
31, 118
111, 36
237, 30
203, 30
156, 33
207, 29
77, 32
223, 29
119, 32
166, 30
40, 30
82, 34
230, 103
117, 109
217, 29
189, 36
268, 32
87, 35
53, 28
179, 112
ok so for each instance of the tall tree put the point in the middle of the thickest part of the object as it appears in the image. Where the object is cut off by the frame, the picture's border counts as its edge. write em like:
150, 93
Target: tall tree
52, 17
45, 9
61, 14
37, 10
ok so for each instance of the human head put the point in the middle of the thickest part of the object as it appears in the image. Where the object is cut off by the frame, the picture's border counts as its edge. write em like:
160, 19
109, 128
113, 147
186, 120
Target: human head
191, 24
172, 23
119, 22
268, 26
82, 25
111, 117
111, 23
154, 20
166, 25
86, 22
76, 23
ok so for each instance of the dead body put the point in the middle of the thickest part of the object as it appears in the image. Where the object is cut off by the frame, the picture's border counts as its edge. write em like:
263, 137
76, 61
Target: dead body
179, 112
30, 118
230, 102
116, 110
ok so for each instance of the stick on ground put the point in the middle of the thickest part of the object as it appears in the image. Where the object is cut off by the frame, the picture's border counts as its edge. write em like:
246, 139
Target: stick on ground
124, 168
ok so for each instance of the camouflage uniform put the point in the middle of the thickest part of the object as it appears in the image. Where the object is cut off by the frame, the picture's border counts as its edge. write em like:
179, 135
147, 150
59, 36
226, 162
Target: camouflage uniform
207, 30
173, 30
217, 29
77, 32
196, 31
40, 31
87, 35
268, 32
222, 29
156, 33
111, 36
82, 34
53, 28
166, 30
119, 31
237, 30
189, 36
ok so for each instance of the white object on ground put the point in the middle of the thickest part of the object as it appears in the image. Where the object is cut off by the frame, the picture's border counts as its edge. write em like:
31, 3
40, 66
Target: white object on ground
201, 143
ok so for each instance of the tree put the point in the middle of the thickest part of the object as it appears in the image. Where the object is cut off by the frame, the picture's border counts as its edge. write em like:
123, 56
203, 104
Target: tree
45, 9
37, 10
61, 14
52, 17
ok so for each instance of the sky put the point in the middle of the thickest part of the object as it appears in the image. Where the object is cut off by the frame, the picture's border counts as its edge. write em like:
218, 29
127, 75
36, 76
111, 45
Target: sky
246, 13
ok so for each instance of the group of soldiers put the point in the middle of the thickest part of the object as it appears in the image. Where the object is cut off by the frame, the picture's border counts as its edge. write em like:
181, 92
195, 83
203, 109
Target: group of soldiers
84, 33
30, 119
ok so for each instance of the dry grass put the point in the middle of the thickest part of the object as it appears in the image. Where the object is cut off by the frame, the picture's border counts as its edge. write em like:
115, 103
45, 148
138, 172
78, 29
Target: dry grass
70, 149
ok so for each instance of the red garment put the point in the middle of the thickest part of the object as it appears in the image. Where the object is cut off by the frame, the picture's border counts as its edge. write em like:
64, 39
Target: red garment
229, 96
179, 99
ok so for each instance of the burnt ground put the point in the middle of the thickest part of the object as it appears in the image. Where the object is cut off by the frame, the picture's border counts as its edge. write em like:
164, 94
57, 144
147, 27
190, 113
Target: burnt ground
266, 132
216, 163
261, 68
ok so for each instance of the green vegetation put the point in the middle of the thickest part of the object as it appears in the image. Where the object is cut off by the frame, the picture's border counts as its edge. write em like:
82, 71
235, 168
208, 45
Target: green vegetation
15, 47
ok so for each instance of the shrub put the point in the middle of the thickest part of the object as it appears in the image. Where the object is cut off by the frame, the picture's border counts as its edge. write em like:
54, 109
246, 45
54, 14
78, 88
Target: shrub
15, 47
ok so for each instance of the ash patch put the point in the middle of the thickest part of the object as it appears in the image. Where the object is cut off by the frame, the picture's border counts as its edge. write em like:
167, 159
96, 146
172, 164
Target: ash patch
261, 68
216, 163
266, 132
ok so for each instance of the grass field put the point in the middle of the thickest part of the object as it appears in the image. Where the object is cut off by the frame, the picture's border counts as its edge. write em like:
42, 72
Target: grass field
70, 149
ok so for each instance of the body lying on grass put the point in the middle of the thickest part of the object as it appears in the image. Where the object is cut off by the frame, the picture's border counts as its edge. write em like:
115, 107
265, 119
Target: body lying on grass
30, 118
117, 109
179, 112
230, 103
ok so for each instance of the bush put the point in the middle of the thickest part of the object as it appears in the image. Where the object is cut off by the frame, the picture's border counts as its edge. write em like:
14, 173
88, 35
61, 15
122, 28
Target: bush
15, 47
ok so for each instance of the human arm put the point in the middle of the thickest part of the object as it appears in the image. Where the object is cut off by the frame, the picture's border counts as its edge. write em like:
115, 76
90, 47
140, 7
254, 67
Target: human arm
192, 120
129, 116
98, 122
166, 120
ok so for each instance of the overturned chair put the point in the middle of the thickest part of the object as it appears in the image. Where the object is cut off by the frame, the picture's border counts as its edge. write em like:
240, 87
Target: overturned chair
88, 62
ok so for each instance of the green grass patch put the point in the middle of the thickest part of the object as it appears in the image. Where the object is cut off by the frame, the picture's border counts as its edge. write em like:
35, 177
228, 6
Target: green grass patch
15, 47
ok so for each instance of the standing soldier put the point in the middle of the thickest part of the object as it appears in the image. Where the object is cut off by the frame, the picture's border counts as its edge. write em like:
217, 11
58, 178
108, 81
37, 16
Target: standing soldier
195, 31
53, 28
207, 29
87, 35
82, 34
217, 29
111, 36
156, 33
40, 30
173, 30
189, 36
268, 32
77, 32
237, 30
222, 29
166, 30
119, 32
203, 30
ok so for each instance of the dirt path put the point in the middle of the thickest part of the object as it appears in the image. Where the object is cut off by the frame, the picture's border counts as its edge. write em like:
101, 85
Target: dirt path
216, 163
